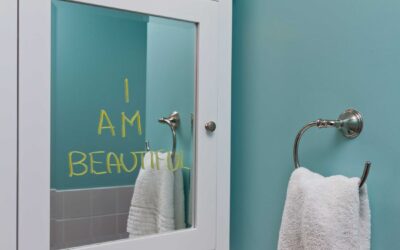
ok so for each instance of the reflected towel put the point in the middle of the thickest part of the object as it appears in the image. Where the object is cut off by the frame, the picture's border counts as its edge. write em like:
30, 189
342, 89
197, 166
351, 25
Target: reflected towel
325, 213
158, 200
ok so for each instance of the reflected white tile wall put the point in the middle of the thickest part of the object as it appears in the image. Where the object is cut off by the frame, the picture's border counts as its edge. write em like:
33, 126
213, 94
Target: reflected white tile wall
86, 216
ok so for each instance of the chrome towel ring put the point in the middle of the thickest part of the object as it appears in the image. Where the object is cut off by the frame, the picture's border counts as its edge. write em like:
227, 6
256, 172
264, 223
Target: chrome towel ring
173, 121
350, 123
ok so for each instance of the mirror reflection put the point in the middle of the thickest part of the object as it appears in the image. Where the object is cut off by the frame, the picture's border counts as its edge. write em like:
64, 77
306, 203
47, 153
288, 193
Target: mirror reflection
122, 125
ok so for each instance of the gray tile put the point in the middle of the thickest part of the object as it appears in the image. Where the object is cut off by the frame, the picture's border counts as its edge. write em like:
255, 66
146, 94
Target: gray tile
77, 232
56, 234
107, 238
122, 220
104, 227
124, 236
77, 204
52, 204
56, 204
104, 201
124, 199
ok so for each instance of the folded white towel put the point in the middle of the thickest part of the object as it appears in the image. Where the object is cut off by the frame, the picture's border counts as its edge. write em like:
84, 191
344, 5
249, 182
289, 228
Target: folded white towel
325, 213
158, 200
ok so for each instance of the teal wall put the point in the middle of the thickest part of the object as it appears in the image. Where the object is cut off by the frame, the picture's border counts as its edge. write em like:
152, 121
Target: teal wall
93, 50
294, 62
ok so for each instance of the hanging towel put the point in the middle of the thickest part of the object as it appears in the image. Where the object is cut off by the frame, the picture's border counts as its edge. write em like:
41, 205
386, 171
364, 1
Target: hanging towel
325, 213
158, 200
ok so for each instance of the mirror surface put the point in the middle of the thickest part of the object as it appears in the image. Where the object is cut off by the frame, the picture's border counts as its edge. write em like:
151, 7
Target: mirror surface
114, 173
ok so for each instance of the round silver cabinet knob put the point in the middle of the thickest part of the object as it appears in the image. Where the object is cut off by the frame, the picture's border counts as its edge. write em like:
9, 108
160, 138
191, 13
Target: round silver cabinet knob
211, 126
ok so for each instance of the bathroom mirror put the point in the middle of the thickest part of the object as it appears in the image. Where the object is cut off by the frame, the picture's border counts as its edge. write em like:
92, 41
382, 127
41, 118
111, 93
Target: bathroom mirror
115, 171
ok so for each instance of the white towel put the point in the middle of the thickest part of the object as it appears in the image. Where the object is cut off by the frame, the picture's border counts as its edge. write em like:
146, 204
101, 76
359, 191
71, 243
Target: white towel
325, 213
158, 200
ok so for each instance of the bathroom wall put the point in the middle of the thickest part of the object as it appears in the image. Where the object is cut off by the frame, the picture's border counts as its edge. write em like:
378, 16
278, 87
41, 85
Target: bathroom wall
85, 216
294, 62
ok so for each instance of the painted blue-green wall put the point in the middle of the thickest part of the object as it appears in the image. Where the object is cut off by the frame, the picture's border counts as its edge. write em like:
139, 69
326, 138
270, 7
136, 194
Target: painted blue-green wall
294, 62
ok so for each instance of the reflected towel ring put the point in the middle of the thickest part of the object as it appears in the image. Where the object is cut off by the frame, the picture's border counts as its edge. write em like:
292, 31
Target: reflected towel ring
350, 123
173, 121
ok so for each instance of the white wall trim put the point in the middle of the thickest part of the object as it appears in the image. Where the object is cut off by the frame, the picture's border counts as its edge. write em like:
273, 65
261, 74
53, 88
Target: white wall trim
224, 117
8, 125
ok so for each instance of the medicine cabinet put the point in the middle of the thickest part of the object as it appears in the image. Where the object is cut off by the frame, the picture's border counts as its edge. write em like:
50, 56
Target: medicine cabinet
118, 124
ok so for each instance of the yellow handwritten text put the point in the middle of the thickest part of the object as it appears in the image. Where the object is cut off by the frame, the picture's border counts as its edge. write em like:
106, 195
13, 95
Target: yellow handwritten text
126, 85
102, 162
106, 123
104, 115
131, 121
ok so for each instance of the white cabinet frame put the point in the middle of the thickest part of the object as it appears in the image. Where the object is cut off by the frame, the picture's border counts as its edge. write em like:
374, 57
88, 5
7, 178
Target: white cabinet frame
212, 155
8, 124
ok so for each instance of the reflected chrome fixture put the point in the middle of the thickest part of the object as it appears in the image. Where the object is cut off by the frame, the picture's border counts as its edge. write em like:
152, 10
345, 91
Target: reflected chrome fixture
191, 120
211, 126
173, 121
147, 145
350, 123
